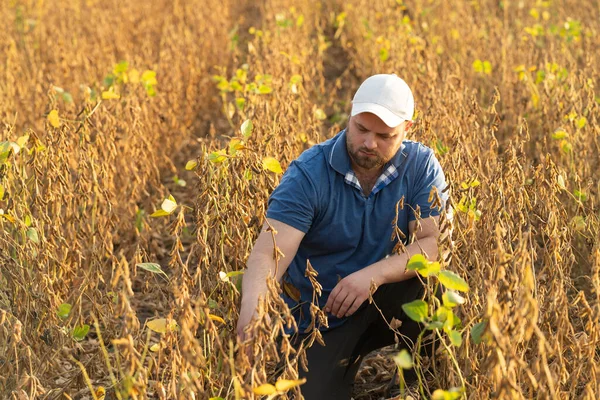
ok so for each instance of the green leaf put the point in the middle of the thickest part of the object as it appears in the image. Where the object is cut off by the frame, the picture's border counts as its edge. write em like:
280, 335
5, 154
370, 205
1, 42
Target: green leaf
416, 262
441, 147
240, 103
234, 273
441, 314
33, 235
581, 196
477, 331
212, 304
108, 80
434, 325
452, 281
403, 359
151, 267
455, 338
247, 128
451, 321
67, 98
416, 310
581, 122
64, 310
432, 269
1, 192
5, 148
384, 54
452, 299
80, 332
419, 263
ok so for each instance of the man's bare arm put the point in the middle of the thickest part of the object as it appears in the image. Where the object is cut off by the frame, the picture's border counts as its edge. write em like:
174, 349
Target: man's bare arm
393, 268
353, 290
261, 265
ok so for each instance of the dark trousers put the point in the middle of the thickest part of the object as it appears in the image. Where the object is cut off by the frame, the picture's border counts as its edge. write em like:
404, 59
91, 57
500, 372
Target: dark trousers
332, 368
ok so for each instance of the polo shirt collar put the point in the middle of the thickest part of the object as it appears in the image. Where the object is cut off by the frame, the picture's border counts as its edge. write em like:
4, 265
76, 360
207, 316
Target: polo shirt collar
340, 160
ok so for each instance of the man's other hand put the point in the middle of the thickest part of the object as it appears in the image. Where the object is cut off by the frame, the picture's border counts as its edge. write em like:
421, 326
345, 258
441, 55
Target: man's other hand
348, 295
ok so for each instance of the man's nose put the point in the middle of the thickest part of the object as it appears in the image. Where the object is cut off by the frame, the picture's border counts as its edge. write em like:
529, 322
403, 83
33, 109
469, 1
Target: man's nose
370, 142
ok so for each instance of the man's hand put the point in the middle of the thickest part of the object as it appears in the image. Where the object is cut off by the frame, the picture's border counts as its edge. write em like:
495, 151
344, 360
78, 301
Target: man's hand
348, 295
246, 315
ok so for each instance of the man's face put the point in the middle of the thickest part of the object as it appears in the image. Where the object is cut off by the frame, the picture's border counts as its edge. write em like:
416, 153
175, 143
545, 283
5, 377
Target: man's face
371, 143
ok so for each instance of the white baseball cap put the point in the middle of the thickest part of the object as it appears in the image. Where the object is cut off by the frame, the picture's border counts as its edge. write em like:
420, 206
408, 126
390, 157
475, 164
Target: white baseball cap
387, 96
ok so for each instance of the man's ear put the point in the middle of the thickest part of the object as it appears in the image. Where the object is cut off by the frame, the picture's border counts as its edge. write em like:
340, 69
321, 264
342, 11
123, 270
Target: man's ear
408, 125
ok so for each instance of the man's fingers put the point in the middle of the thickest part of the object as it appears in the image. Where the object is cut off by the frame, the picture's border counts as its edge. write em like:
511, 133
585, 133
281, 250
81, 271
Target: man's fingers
339, 300
345, 306
331, 299
355, 306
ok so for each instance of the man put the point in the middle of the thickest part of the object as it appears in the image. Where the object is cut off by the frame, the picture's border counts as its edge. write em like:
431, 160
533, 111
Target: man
335, 207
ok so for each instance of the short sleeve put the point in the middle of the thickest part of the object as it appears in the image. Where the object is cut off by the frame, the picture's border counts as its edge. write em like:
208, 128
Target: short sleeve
294, 200
431, 175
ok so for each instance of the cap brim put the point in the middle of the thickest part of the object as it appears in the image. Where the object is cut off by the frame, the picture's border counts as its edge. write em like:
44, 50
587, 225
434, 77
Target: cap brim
388, 117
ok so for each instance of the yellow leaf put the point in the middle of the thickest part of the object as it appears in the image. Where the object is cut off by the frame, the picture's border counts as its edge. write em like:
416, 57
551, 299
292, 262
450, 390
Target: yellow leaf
283, 385
320, 114
265, 389
157, 325
134, 76
149, 78
235, 145
190, 165
22, 140
159, 213
108, 95
217, 156
155, 347
54, 119
272, 165
216, 318
100, 392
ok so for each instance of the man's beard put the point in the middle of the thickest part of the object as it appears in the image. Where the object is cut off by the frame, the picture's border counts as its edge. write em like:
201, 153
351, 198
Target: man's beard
364, 161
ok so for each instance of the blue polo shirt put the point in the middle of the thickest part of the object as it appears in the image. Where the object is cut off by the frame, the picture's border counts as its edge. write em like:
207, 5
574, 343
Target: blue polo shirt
344, 230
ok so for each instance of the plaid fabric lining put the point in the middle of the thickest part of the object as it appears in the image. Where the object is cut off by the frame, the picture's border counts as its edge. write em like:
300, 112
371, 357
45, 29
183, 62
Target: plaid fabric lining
388, 175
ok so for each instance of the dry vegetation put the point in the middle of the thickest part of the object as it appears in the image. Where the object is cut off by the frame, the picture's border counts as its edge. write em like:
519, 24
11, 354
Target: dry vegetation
507, 94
